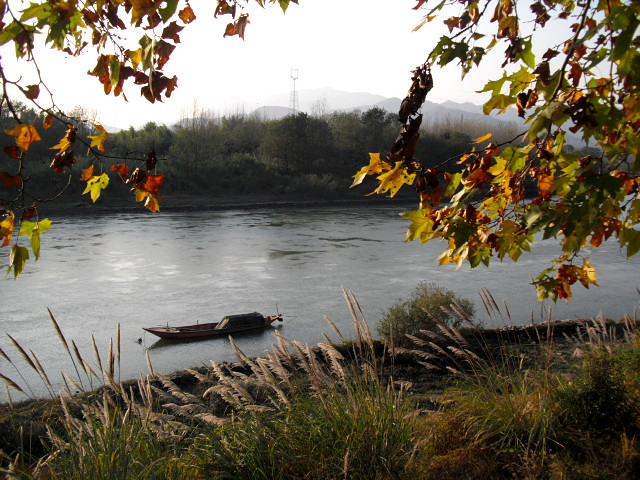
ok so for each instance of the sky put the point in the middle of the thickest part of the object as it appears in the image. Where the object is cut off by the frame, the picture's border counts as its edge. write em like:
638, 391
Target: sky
350, 45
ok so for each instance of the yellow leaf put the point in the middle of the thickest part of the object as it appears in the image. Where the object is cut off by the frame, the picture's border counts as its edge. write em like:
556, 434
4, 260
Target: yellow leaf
589, 275
25, 135
394, 179
6, 228
95, 185
98, 140
62, 145
376, 165
151, 201
483, 138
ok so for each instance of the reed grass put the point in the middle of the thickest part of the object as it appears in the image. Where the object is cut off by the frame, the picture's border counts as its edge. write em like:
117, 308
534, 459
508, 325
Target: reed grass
545, 407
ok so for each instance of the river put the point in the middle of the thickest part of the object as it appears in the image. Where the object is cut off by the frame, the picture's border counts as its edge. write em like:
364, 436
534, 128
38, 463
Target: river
140, 269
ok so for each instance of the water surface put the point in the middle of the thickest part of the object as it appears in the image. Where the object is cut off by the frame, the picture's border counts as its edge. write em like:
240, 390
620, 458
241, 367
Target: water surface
138, 269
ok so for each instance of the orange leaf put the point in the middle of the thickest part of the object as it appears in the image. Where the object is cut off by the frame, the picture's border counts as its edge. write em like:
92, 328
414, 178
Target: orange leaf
48, 121
25, 135
153, 183
186, 14
121, 169
87, 173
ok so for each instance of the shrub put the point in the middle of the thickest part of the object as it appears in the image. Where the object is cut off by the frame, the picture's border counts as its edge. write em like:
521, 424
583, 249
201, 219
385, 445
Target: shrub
428, 305
598, 401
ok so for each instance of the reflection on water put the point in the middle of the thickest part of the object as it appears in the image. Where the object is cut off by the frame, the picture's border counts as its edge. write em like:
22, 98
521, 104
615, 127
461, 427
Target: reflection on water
181, 268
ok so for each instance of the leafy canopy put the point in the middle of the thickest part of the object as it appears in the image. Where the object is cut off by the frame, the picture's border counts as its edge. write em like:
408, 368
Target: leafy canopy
132, 41
587, 84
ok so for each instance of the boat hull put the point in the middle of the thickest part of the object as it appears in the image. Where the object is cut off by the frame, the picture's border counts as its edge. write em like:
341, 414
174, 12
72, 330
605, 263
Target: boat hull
213, 329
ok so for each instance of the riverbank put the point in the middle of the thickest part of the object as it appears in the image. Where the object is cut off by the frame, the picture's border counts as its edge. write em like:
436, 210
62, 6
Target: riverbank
425, 385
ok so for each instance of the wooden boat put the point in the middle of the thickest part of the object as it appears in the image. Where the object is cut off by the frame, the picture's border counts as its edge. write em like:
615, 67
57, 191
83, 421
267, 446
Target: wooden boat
230, 324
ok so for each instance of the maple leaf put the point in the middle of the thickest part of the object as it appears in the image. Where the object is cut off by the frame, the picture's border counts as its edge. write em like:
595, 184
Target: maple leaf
68, 140
34, 230
153, 183
186, 14
392, 180
25, 135
163, 50
121, 169
6, 228
47, 122
31, 92
95, 185
98, 140
237, 27
63, 159
18, 258
10, 180
376, 165
13, 151
151, 201
87, 173
171, 32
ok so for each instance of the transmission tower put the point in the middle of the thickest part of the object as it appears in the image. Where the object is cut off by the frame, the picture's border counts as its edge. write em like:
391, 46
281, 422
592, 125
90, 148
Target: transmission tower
294, 105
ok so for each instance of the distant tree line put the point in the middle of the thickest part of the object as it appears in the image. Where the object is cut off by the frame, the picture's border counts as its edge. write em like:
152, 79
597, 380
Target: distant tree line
300, 156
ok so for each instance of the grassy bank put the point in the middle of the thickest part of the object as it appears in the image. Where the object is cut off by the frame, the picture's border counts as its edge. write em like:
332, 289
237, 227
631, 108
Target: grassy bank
559, 400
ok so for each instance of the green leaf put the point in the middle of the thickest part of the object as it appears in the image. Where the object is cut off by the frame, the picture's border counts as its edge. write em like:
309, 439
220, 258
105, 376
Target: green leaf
17, 260
284, 4
34, 230
498, 102
630, 238
527, 55
169, 10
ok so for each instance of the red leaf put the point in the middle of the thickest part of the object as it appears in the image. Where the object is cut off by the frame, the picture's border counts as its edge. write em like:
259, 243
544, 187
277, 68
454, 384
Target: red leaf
10, 180
13, 151
171, 32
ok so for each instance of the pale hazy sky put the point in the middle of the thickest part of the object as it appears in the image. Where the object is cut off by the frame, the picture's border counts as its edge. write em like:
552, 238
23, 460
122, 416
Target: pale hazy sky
350, 45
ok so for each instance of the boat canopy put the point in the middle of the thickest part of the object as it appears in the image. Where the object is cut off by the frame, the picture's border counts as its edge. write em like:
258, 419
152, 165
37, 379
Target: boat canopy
242, 320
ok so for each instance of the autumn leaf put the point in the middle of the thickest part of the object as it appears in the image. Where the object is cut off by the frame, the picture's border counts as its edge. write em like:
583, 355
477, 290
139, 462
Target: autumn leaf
13, 151
153, 183
63, 159
87, 173
171, 32
6, 228
31, 92
151, 201
10, 180
121, 169
186, 14
98, 140
394, 179
25, 135
47, 122
17, 260
68, 139
237, 27
95, 185
483, 138
376, 165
